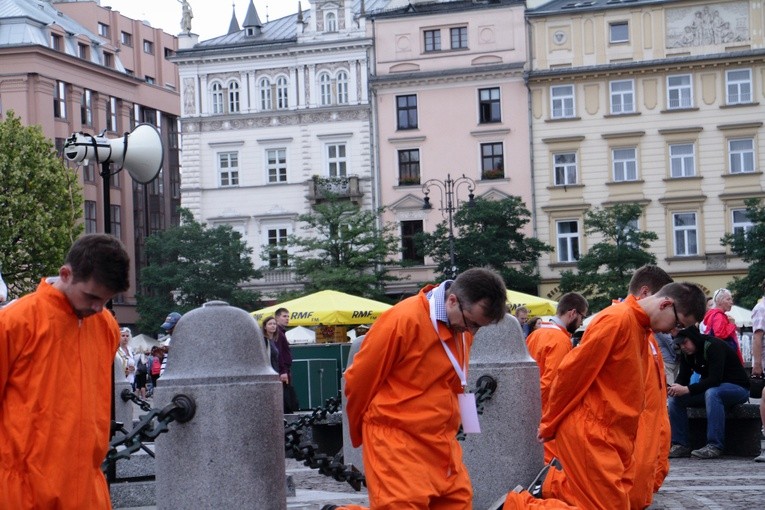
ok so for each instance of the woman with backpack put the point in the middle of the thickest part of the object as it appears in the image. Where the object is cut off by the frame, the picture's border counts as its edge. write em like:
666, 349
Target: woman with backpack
718, 324
141, 373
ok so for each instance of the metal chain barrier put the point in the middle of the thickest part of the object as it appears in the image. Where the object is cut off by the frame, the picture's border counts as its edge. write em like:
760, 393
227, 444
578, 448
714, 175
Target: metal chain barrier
129, 395
487, 385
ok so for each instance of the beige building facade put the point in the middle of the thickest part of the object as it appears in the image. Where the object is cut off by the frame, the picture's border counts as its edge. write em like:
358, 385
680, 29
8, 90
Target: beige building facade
654, 103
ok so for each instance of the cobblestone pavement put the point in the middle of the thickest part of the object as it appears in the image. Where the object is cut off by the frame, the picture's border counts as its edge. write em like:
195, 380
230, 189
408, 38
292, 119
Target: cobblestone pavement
726, 483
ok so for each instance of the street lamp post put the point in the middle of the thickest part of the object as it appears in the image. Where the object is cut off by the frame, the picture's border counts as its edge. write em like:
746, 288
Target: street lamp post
449, 204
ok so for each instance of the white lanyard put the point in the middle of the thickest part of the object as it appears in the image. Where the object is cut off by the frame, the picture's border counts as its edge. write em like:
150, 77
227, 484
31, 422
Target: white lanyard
461, 371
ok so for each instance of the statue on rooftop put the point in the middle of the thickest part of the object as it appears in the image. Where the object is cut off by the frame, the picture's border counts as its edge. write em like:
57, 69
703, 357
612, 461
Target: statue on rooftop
186, 16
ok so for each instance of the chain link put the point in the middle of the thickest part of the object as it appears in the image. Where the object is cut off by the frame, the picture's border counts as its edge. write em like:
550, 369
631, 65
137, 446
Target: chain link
127, 395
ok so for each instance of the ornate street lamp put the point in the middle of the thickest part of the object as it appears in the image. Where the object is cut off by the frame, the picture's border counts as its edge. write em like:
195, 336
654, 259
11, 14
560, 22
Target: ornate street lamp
448, 190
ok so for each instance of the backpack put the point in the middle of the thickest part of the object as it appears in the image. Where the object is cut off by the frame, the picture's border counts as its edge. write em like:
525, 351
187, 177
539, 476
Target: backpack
141, 367
156, 366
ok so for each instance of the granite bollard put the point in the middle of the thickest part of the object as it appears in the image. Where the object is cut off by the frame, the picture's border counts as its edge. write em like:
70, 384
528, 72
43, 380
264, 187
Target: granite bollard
506, 452
231, 454
351, 456
123, 411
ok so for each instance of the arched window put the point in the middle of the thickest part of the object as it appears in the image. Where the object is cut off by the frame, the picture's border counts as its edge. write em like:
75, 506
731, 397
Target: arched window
265, 94
217, 98
330, 22
233, 97
282, 102
325, 89
342, 87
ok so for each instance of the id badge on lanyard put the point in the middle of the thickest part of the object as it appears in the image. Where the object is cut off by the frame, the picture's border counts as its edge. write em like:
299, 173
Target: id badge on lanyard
468, 408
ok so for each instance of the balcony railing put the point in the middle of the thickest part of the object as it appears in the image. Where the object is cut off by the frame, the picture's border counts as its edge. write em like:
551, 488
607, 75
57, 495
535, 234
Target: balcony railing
323, 188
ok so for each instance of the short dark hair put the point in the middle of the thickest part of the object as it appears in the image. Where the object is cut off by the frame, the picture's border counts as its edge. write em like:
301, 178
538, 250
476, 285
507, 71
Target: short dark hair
689, 299
100, 257
572, 301
485, 286
649, 276
280, 311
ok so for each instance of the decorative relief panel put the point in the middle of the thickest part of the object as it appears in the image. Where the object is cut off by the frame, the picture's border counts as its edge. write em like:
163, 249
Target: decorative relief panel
716, 262
189, 92
300, 119
722, 23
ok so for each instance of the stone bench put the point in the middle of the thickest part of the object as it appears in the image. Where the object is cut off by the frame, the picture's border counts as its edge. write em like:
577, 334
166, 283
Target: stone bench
742, 429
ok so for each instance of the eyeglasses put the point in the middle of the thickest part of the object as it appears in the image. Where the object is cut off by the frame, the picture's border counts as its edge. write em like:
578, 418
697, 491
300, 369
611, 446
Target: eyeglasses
678, 325
469, 325
580, 314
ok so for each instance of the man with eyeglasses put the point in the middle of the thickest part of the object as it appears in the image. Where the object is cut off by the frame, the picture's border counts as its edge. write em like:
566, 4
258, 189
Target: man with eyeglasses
597, 397
724, 383
551, 342
406, 392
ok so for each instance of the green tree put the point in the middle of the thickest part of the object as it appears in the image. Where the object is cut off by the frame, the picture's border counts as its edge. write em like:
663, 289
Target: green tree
40, 205
490, 233
342, 248
750, 246
191, 264
604, 272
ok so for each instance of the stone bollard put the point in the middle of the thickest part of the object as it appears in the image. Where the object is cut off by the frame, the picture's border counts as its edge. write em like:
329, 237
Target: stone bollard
351, 455
231, 453
123, 411
506, 452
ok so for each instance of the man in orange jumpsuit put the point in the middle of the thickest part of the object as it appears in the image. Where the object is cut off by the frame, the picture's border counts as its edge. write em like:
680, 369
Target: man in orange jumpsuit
403, 389
597, 397
551, 342
57, 348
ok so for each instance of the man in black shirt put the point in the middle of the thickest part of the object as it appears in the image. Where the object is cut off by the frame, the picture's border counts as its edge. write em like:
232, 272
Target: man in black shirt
723, 384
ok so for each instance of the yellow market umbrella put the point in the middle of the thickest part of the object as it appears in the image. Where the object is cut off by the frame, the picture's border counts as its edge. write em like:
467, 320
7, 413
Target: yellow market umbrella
537, 306
327, 307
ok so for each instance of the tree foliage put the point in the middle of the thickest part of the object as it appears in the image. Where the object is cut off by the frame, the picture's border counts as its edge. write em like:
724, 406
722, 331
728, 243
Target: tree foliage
750, 246
341, 248
40, 205
489, 234
604, 272
191, 264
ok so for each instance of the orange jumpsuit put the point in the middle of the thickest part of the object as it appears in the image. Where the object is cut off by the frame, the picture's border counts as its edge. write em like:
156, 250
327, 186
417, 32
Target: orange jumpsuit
402, 406
593, 410
55, 403
653, 436
548, 345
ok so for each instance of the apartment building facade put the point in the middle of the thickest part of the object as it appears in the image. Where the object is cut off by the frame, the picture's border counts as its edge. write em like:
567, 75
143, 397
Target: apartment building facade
654, 103
77, 66
450, 100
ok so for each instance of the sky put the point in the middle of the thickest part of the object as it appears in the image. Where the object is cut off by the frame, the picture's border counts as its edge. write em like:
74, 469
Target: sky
211, 17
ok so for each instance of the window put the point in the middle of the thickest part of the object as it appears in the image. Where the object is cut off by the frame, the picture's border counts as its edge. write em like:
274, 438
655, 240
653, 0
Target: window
59, 100
567, 232
739, 86
330, 22
489, 105
408, 167
282, 93
233, 97
228, 168
625, 164
562, 98
622, 96
265, 94
148, 47
90, 217
116, 222
277, 252
619, 32
276, 164
149, 79
126, 38
111, 114
741, 223
103, 30
492, 161
459, 37
83, 51
325, 89
679, 93
336, 162
217, 98
409, 251
86, 108
682, 160
56, 42
169, 52
342, 87
565, 169
89, 172
432, 40
686, 237
406, 111
741, 153
108, 59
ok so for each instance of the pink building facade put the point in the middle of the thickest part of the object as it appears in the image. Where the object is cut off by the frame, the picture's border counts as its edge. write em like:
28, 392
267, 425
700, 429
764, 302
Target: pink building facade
450, 99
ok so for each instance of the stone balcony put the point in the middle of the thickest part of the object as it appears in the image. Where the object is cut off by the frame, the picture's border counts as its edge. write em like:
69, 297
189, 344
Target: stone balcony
322, 188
